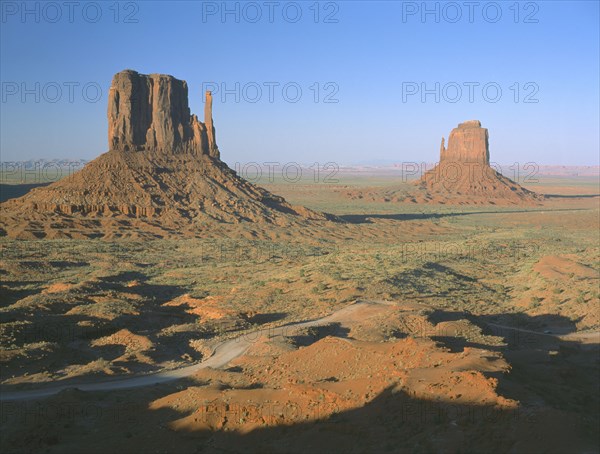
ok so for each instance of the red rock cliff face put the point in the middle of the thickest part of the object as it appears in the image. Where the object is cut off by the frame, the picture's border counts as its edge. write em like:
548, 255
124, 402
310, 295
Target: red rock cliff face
468, 143
151, 112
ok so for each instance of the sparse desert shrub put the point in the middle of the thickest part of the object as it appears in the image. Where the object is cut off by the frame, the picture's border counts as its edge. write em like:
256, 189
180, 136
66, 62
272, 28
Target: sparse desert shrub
535, 301
556, 300
328, 300
337, 276
319, 288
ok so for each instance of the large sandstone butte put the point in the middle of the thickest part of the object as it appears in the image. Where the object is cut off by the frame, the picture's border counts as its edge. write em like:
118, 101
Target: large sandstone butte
464, 174
467, 143
162, 175
151, 113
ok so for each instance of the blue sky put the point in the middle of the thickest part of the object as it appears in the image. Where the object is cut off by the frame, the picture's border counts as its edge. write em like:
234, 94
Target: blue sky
366, 55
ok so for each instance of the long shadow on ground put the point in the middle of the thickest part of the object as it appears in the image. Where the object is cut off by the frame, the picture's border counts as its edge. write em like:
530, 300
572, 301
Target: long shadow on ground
366, 218
554, 380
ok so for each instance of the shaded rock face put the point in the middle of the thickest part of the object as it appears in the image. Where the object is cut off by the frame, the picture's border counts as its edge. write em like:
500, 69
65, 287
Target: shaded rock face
151, 112
467, 143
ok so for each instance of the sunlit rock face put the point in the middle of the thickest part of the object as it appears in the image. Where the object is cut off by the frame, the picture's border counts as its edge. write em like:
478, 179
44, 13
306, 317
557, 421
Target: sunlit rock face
151, 112
467, 143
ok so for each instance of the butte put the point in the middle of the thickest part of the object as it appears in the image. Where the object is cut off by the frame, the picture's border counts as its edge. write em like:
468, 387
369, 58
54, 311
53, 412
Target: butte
162, 176
464, 175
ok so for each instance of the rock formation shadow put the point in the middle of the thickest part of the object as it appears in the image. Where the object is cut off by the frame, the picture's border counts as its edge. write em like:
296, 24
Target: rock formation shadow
571, 196
366, 218
558, 412
13, 191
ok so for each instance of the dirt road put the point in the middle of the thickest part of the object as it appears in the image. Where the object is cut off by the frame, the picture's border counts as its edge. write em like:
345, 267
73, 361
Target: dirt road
227, 350
222, 354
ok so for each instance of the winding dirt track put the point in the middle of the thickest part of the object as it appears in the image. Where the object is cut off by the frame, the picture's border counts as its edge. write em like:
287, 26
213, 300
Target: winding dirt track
223, 353
230, 349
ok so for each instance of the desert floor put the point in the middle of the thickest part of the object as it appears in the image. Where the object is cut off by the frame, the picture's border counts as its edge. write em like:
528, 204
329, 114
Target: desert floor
436, 328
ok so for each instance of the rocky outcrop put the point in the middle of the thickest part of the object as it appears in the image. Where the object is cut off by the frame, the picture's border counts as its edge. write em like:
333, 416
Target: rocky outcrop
151, 112
213, 150
162, 176
464, 176
467, 143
